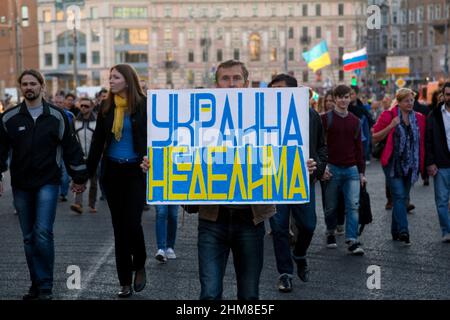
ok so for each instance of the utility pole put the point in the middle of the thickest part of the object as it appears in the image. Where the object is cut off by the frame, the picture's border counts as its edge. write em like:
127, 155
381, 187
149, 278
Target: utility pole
75, 58
18, 45
446, 17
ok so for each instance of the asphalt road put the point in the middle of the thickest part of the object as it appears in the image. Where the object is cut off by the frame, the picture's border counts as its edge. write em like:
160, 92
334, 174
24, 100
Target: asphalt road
421, 271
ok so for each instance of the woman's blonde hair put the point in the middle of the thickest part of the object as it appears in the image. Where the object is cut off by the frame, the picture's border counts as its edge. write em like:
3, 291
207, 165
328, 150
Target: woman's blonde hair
403, 93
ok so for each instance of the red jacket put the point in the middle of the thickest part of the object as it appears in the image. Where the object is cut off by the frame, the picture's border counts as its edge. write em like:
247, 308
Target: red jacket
384, 120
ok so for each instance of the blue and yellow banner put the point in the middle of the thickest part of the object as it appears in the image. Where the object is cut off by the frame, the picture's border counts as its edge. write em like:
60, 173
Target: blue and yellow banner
216, 146
318, 57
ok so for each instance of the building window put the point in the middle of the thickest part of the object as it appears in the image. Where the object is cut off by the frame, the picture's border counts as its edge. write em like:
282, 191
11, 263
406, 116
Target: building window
95, 57
420, 39
412, 16
318, 10
59, 15
430, 12
131, 57
420, 14
291, 54
130, 12
290, 11
94, 12
404, 40
273, 33
47, 15
318, 32
437, 13
236, 34
2, 19
431, 38
48, 59
255, 47
131, 36
25, 17
219, 34
305, 10
273, 54
167, 34
341, 31
305, 76
236, 55
190, 34
168, 12
305, 32
83, 58
255, 10
394, 17
274, 11
61, 58
291, 33
219, 55
95, 35
412, 40
47, 37
205, 55
235, 12
394, 41
191, 56
204, 12
190, 77
341, 9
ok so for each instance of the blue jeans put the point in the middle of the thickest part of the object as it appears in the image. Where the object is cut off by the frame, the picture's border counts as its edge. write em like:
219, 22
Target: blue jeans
65, 180
345, 179
305, 220
237, 233
441, 197
166, 226
37, 210
400, 188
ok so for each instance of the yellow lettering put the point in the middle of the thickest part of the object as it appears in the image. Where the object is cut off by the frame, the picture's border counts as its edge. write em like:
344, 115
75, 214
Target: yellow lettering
214, 177
280, 174
297, 174
258, 183
237, 175
197, 174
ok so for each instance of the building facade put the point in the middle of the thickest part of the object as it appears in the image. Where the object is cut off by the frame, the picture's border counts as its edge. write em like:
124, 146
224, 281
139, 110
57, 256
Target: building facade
178, 44
415, 28
18, 28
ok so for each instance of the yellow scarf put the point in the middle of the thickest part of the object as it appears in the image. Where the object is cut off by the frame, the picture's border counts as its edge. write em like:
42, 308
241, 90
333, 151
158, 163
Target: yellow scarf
119, 113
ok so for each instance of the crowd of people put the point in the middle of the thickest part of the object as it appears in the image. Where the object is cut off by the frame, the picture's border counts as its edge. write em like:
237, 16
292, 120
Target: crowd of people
47, 141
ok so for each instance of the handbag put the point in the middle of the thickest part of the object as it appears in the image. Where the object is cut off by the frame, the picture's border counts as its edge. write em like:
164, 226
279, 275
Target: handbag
365, 210
378, 148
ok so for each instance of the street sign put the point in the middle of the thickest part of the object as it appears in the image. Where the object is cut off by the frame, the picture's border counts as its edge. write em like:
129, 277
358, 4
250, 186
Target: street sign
400, 82
397, 65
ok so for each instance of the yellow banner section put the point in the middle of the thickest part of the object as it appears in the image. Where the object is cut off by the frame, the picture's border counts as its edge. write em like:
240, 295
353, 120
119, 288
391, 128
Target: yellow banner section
398, 70
276, 178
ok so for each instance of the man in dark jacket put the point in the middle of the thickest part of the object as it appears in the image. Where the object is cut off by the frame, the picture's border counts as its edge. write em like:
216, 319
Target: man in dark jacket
303, 214
437, 159
38, 133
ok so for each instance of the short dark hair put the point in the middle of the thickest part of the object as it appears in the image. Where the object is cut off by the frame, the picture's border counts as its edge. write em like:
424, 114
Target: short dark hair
34, 73
87, 99
231, 63
341, 90
289, 80
70, 95
446, 85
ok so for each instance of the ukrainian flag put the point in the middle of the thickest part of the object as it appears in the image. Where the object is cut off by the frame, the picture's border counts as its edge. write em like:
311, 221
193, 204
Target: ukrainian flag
318, 57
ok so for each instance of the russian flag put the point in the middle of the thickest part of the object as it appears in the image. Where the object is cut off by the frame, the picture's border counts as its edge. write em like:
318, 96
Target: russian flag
355, 60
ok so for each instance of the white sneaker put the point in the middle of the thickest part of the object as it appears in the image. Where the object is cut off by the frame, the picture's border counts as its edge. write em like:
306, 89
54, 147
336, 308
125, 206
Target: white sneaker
446, 238
170, 254
161, 256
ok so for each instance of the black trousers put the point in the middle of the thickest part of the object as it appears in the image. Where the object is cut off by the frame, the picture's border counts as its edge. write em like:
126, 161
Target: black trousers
125, 192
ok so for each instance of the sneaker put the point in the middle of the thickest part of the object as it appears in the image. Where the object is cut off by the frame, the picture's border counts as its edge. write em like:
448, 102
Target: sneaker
395, 237
340, 230
170, 254
285, 283
33, 294
303, 270
404, 237
331, 241
45, 294
62, 198
355, 248
446, 238
92, 210
410, 207
77, 208
388, 206
161, 256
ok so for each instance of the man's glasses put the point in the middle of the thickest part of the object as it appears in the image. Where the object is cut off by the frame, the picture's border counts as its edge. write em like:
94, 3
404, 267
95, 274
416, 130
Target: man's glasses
85, 106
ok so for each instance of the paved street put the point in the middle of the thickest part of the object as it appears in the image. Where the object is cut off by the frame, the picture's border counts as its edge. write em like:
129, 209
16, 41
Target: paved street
421, 271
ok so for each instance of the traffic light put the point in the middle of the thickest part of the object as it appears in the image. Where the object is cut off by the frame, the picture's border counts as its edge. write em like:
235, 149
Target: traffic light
384, 82
354, 81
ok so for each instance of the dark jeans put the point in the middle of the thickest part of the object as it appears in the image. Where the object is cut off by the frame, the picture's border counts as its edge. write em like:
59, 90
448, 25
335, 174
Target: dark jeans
125, 191
37, 209
340, 211
305, 220
234, 230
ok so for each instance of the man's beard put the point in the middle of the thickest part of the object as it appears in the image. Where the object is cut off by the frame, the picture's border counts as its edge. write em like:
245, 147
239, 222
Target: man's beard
31, 96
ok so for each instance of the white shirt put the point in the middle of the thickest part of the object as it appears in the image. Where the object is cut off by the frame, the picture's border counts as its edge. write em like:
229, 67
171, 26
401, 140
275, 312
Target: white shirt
446, 117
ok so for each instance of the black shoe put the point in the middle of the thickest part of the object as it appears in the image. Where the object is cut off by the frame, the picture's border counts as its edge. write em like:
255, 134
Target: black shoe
285, 283
303, 270
125, 292
32, 294
45, 294
331, 241
404, 237
140, 279
63, 198
395, 237
410, 207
